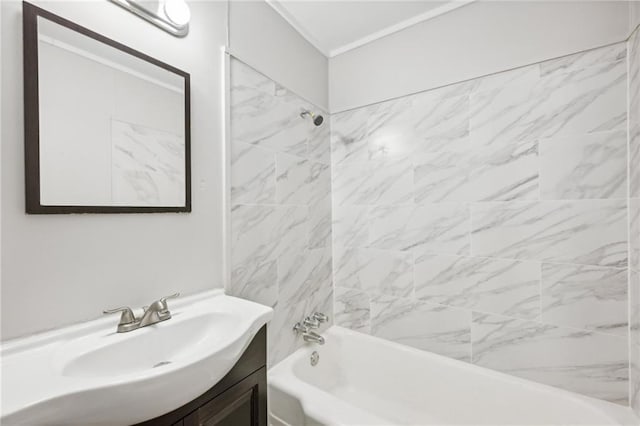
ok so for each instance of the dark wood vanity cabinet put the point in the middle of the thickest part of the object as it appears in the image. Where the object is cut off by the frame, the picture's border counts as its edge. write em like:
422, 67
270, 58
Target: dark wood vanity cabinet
237, 406
239, 399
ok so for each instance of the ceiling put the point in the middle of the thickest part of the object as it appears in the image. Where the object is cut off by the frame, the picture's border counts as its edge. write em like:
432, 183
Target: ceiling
337, 26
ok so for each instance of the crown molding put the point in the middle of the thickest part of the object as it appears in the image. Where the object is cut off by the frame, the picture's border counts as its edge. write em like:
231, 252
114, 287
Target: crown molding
430, 14
291, 20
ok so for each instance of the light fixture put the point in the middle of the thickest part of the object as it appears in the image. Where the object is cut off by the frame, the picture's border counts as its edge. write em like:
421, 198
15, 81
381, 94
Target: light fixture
177, 11
171, 15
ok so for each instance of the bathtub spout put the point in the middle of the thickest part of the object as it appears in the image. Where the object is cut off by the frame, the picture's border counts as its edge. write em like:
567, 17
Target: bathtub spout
308, 335
312, 336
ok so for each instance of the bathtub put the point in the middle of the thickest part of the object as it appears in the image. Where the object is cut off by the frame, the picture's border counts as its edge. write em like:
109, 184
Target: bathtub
364, 380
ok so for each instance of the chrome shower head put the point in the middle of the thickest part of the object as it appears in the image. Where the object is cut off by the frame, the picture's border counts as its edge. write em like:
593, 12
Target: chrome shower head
317, 119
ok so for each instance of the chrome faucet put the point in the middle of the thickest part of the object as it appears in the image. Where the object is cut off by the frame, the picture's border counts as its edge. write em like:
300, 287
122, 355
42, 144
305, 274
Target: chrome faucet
312, 321
308, 335
154, 313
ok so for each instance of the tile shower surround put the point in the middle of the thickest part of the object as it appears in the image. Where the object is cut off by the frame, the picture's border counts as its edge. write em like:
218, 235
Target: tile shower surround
634, 216
280, 205
487, 221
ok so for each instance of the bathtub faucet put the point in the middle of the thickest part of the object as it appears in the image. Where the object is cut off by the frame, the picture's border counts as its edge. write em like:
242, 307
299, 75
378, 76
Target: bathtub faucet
308, 335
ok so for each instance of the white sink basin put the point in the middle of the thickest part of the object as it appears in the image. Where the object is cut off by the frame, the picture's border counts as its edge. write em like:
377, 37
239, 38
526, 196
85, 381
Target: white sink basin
145, 348
89, 374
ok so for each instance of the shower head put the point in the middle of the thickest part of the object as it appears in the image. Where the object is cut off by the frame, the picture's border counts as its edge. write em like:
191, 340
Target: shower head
317, 119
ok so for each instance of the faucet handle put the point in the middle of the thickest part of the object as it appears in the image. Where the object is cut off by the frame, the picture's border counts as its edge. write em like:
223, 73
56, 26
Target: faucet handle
172, 296
320, 317
163, 302
127, 316
311, 322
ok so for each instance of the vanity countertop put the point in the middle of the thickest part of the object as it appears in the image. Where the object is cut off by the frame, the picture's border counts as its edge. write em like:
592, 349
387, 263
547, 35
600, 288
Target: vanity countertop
88, 373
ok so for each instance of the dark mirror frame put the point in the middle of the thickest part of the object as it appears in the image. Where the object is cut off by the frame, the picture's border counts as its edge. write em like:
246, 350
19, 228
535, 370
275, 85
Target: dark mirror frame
30, 14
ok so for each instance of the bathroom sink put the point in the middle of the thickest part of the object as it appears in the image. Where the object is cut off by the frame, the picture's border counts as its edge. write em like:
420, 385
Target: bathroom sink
143, 349
89, 374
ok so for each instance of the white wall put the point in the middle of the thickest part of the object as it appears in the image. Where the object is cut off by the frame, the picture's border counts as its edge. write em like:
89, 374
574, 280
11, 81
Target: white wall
478, 39
261, 38
61, 269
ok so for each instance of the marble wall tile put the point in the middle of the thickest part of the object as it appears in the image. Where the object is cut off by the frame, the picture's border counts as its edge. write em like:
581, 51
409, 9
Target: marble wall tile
441, 227
586, 100
480, 183
253, 174
256, 281
427, 121
634, 217
290, 232
322, 301
634, 115
320, 205
373, 182
268, 119
634, 234
349, 136
465, 170
292, 179
245, 80
392, 128
253, 266
634, 158
504, 171
303, 275
634, 339
505, 114
581, 60
585, 297
584, 232
281, 206
504, 165
482, 284
282, 340
350, 226
634, 377
351, 309
426, 326
260, 235
584, 166
441, 118
320, 224
634, 299
377, 271
319, 180
319, 149
581, 100
443, 176
581, 361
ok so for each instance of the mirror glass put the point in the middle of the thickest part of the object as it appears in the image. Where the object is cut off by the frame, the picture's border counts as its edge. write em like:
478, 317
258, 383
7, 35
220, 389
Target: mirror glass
113, 127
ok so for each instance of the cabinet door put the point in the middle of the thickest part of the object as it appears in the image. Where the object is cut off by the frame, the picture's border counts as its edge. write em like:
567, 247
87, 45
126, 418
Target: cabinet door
243, 404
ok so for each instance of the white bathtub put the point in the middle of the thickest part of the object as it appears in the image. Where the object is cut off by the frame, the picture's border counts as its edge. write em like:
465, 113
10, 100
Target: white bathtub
363, 380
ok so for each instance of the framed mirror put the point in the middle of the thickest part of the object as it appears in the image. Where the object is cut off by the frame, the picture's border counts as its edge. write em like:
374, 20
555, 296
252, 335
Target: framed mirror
107, 128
